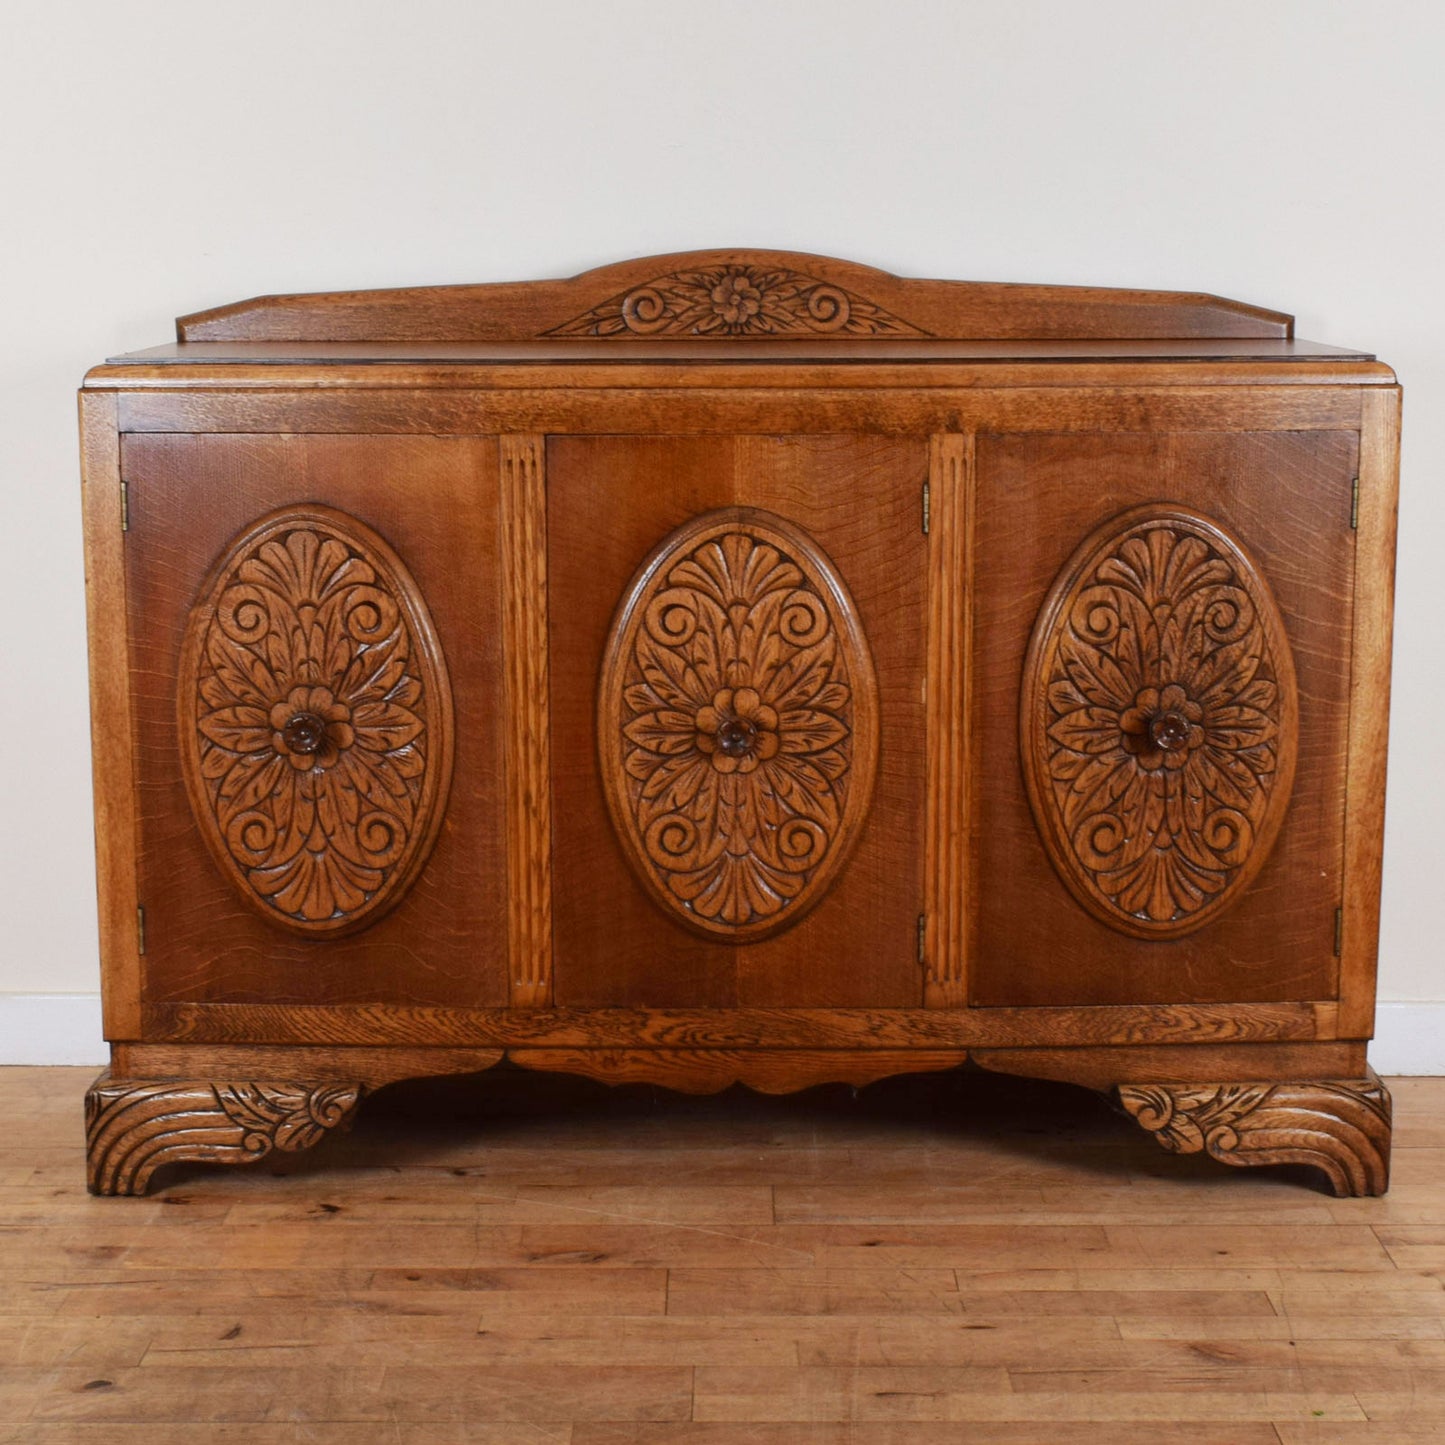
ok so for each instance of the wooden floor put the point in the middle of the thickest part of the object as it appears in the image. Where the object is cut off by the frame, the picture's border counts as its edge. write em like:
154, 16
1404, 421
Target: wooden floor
517, 1259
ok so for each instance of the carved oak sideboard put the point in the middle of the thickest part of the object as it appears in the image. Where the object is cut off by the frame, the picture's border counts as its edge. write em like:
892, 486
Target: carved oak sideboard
740, 666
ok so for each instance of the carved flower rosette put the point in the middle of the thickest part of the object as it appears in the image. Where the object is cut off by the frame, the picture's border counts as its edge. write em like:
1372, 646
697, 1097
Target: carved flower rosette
315, 721
1159, 722
737, 720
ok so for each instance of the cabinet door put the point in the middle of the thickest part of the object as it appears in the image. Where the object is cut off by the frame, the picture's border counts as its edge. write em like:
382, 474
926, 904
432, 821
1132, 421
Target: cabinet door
1161, 675
313, 627
736, 674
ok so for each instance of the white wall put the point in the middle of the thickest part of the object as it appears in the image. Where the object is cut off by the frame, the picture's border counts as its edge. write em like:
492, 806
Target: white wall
158, 158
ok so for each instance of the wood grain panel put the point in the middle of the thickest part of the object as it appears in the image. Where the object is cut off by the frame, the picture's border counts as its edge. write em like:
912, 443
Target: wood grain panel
524, 648
1369, 710
950, 672
751, 294
369, 1065
434, 500
112, 738
1094, 1066
997, 399
610, 502
703, 352
734, 1028
1287, 497
1104, 1067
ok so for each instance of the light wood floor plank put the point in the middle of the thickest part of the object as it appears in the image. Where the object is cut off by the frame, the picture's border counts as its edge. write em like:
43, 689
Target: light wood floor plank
538, 1261
913, 1433
392, 1432
966, 1394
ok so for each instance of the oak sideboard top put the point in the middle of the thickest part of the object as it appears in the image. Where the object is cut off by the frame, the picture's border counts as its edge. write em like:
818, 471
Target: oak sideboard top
812, 320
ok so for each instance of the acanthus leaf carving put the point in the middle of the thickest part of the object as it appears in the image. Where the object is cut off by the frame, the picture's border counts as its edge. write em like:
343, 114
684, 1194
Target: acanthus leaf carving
315, 719
1159, 721
135, 1126
284, 1116
1341, 1127
738, 719
737, 299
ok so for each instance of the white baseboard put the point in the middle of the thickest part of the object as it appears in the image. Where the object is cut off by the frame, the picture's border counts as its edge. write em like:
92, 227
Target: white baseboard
64, 1028
51, 1028
1409, 1038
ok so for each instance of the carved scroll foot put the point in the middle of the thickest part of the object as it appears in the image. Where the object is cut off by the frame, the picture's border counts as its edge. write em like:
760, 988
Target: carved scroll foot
1338, 1126
134, 1126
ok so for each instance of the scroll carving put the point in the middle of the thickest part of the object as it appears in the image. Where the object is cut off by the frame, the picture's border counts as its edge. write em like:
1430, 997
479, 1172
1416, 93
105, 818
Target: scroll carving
1341, 1127
1159, 722
315, 721
738, 721
133, 1128
736, 300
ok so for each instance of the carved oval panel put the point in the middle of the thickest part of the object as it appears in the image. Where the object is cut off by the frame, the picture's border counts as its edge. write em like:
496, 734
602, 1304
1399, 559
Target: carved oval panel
315, 719
1159, 721
737, 724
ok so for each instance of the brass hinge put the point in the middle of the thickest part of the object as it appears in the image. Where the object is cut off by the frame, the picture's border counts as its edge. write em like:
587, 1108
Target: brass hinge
1355, 505
125, 506
923, 938
140, 928
1339, 931
927, 507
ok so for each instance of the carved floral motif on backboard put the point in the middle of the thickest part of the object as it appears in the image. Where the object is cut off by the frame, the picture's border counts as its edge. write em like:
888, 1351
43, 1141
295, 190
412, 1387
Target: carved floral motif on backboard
737, 300
315, 721
738, 724
1159, 721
